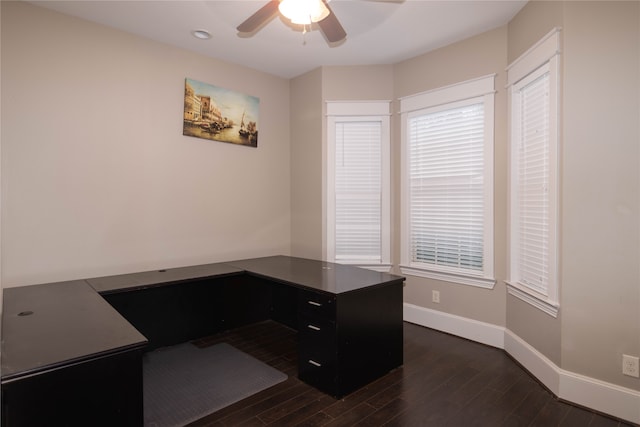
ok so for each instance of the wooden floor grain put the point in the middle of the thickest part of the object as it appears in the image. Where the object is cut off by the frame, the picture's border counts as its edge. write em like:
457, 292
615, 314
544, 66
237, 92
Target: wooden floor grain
445, 381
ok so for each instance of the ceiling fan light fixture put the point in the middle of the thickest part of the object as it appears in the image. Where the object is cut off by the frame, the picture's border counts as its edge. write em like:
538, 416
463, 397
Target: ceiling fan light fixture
304, 12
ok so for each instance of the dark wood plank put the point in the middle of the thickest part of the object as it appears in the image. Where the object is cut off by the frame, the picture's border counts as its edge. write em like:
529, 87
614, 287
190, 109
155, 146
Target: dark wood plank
445, 381
351, 417
551, 414
577, 418
385, 414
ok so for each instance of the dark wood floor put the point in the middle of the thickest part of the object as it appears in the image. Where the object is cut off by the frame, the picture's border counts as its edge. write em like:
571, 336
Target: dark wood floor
445, 381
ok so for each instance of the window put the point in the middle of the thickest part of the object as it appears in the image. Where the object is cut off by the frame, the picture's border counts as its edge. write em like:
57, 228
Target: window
447, 167
533, 199
358, 184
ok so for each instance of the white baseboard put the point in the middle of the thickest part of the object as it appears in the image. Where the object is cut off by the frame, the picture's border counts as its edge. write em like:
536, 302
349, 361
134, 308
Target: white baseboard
601, 396
482, 332
547, 372
620, 402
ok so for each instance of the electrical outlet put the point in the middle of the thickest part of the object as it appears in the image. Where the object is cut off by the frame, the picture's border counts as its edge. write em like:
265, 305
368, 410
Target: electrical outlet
435, 296
630, 366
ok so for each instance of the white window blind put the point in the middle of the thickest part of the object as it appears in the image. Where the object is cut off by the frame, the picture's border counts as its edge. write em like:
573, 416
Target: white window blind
533, 184
358, 202
534, 121
358, 191
446, 187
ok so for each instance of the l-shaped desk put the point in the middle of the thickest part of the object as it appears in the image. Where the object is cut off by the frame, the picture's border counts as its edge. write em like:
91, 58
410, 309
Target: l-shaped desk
72, 351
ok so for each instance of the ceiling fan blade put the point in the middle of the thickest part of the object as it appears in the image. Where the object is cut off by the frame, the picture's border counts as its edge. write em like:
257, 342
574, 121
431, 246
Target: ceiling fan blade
262, 16
331, 27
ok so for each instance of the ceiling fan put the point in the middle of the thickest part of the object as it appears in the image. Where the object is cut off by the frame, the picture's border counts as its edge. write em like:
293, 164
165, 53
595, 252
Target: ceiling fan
317, 11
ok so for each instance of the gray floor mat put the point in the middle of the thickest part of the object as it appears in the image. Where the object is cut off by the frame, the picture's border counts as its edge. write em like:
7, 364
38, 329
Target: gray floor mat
183, 383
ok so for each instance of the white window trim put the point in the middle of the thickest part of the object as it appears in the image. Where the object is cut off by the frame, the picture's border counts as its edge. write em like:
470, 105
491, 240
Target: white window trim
533, 298
364, 111
542, 57
544, 50
479, 88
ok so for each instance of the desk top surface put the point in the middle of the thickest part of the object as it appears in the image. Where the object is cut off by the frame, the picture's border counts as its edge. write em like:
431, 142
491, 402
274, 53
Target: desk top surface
146, 279
299, 272
46, 326
315, 275
42, 326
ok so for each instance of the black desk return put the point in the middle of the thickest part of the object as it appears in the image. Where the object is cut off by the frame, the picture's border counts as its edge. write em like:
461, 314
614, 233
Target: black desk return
72, 351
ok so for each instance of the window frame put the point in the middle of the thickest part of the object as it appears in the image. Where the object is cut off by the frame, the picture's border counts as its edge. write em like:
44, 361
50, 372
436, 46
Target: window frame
481, 90
541, 59
363, 111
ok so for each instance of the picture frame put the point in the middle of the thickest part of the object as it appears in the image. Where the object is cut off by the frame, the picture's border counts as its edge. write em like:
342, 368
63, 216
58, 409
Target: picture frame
219, 114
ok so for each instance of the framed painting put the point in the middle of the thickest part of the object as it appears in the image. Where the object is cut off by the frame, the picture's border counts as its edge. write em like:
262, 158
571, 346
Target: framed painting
218, 114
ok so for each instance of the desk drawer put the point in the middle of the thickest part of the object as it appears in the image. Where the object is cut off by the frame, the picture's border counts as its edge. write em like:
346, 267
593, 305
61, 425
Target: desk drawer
322, 375
317, 356
316, 331
317, 304
317, 349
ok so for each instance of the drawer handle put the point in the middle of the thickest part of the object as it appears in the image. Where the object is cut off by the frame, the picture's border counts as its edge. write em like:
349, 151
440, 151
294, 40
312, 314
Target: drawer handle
315, 328
317, 304
314, 363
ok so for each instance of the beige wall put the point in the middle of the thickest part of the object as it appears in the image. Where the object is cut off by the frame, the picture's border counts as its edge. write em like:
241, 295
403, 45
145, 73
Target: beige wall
600, 189
475, 57
533, 22
97, 177
306, 165
600, 185
358, 83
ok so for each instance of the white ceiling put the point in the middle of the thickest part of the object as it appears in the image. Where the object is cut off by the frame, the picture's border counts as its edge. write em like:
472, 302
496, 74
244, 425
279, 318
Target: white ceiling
378, 32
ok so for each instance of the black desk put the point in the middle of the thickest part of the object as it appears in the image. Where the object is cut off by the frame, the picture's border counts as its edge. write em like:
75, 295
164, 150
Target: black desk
76, 356
66, 351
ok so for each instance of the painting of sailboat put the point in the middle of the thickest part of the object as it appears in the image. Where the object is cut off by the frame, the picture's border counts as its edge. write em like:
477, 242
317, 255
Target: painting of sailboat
219, 114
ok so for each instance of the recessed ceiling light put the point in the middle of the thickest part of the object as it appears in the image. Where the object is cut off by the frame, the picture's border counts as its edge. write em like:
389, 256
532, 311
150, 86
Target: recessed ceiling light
201, 34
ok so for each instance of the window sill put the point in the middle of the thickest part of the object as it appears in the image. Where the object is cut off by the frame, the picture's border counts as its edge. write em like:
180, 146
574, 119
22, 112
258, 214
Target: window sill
476, 281
381, 268
539, 301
